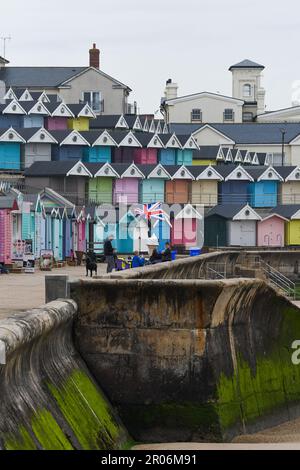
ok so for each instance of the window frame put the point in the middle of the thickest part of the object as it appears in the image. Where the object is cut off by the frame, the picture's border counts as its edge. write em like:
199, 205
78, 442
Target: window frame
249, 87
228, 118
91, 100
197, 111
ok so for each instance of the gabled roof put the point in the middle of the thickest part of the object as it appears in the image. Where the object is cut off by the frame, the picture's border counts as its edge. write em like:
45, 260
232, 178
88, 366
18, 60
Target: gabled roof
7, 202
99, 138
234, 212
287, 210
109, 121
233, 172
263, 173
246, 64
252, 133
202, 94
206, 152
39, 77
58, 168
127, 170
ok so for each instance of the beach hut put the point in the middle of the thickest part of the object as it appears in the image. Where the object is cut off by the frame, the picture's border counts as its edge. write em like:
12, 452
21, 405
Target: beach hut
126, 188
132, 234
167, 155
205, 185
291, 212
68, 178
100, 187
263, 191
11, 115
184, 156
7, 205
208, 155
234, 187
127, 142
289, 189
82, 116
184, 231
70, 145
101, 145
10, 149
178, 189
152, 188
231, 225
59, 115
37, 147
36, 113
270, 230
148, 154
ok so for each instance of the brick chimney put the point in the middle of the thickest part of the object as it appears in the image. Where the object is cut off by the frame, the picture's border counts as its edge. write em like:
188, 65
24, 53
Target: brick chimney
95, 57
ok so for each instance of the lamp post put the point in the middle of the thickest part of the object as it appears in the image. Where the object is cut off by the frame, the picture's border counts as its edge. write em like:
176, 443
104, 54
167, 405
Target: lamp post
283, 132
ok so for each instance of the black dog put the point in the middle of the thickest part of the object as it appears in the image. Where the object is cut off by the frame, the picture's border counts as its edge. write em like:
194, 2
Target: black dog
91, 264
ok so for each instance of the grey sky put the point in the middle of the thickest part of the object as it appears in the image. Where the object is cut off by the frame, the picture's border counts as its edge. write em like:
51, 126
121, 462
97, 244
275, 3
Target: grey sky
143, 43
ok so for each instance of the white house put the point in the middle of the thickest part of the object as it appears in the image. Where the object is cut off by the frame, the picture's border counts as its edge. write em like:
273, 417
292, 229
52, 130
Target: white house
247, 100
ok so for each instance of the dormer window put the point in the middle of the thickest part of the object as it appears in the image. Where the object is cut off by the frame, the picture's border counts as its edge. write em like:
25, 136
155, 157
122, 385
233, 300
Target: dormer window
196, 115
247, 90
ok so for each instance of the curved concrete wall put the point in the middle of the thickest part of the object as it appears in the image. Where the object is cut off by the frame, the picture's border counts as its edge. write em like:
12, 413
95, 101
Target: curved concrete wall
49, 400
190, 359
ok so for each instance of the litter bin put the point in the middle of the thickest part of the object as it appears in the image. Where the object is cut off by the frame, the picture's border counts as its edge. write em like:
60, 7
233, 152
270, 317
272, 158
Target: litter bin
195, 251
173, 255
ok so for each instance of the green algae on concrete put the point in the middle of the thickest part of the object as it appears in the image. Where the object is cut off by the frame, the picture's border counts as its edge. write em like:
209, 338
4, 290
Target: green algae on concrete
198, 419
274, 383
48, 432
21, 442
87, 413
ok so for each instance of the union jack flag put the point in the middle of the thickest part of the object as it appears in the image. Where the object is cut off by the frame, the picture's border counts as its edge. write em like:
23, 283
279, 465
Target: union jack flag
153, 211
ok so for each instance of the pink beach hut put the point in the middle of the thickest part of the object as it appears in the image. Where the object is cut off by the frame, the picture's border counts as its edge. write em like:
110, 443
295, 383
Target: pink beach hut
7, 205
270, 231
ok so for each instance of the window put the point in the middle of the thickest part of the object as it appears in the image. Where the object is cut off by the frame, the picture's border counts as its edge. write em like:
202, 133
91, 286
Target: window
93, 98
196, 115
275, 159
247, 117
247, 90
228, 115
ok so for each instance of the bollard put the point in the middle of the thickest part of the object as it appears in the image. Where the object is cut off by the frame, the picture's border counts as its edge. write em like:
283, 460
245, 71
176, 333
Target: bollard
56, 287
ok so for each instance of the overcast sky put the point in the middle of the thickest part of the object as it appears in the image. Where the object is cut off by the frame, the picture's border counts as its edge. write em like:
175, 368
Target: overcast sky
143, 43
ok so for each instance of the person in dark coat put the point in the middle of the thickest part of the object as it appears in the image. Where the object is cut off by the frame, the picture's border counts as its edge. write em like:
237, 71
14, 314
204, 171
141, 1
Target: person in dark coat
167, 254
109, 254
155, 257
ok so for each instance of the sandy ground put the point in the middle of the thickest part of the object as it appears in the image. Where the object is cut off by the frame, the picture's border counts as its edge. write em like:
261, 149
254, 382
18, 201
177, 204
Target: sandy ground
20, 292
197, 446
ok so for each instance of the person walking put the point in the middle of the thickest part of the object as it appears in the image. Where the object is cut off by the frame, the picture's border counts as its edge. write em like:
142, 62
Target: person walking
109, 254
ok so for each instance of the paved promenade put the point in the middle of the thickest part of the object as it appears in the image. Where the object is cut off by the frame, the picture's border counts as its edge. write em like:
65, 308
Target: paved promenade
20, 292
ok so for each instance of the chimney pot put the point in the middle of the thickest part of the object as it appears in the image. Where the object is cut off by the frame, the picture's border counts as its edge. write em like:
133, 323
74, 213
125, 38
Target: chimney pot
95, 57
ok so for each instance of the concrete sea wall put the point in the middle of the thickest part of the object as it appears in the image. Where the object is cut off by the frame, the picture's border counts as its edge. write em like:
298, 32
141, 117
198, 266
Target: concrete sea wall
49, 400
190, 359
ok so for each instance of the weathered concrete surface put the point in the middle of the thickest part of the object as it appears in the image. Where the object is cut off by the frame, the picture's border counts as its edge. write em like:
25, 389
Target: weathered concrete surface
49, 400
186, 360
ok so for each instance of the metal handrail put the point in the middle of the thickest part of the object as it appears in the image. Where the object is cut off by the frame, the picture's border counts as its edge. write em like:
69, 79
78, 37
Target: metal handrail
216, 272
